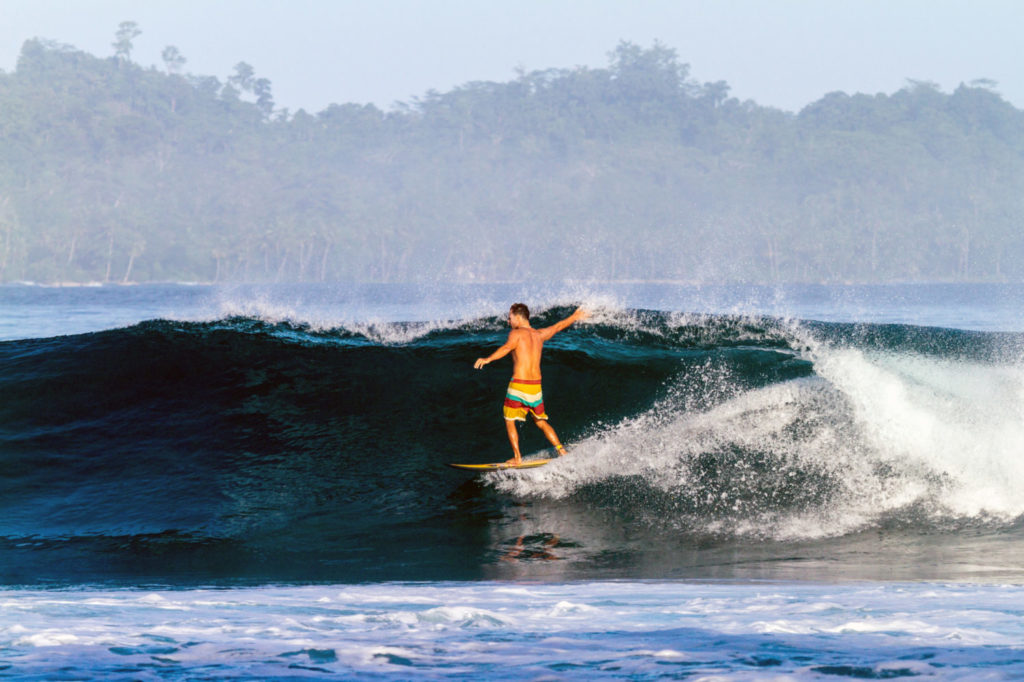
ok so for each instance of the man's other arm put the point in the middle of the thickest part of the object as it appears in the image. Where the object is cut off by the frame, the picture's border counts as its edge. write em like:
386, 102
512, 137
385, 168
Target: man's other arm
505, 349
548, 332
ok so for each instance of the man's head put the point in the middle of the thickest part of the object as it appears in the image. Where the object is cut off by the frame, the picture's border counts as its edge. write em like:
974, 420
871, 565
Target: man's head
520, 311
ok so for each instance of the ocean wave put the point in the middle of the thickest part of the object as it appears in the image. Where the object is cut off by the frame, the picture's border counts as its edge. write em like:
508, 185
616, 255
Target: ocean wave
260, 443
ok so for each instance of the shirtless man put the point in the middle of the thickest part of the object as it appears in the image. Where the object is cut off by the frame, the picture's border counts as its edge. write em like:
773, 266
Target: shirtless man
524, 395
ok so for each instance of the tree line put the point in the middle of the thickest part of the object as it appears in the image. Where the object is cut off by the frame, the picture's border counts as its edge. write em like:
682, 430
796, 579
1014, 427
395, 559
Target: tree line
110, 171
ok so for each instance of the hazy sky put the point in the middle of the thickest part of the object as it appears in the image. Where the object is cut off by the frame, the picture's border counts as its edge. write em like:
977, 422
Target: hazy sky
783, 53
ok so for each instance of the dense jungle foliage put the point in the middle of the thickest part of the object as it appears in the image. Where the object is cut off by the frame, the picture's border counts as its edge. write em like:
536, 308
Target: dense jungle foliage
110, 171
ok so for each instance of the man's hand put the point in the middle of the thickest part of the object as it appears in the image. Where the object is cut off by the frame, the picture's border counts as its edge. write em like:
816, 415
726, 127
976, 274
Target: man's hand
479, 364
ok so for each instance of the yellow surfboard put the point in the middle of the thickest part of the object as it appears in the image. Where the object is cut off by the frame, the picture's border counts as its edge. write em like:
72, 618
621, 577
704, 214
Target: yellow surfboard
527, 464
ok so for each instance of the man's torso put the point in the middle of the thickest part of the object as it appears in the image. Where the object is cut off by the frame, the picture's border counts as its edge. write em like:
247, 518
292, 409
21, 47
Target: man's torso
526, 355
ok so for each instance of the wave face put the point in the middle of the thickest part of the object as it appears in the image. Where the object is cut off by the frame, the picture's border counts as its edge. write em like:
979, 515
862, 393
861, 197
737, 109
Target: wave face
246, 450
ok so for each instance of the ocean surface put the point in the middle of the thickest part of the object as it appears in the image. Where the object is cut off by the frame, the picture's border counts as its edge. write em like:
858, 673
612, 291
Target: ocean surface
245, 482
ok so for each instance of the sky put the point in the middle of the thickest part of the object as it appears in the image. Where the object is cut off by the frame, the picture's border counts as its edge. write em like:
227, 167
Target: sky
781, 53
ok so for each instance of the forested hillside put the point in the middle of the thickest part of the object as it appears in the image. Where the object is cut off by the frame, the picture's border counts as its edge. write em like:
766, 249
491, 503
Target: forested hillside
114, 172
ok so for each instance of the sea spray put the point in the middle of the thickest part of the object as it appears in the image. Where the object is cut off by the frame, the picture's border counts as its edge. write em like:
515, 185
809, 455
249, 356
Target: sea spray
871, 439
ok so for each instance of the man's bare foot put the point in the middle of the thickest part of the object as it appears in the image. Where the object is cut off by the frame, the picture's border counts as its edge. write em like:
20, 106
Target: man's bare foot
560, 449
514, 462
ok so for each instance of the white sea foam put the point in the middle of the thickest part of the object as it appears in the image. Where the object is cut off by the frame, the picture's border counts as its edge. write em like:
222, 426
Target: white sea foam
575, 631
958, 420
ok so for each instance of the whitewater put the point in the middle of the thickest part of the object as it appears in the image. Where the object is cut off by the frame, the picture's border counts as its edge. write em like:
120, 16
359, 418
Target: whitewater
513, 631
764, 483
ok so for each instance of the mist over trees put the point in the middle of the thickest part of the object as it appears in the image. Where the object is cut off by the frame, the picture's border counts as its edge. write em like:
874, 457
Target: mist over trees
110, 171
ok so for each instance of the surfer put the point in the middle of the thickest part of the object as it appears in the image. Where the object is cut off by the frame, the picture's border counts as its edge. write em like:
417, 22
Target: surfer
524, 395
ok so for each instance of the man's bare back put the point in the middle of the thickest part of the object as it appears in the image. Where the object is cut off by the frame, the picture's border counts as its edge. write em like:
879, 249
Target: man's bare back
526, 353
526, 345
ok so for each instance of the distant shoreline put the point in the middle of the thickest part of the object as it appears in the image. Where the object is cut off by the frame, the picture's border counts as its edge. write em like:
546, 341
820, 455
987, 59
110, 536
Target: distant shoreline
630, 173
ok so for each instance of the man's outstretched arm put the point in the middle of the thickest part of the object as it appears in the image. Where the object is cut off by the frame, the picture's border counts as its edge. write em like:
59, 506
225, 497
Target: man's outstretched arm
548, 332
505, 349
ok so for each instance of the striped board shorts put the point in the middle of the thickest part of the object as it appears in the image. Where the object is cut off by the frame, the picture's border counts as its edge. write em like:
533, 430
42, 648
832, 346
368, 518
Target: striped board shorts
523, 396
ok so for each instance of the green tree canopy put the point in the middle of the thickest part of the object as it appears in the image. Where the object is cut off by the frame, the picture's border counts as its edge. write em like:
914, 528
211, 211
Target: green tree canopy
112, 172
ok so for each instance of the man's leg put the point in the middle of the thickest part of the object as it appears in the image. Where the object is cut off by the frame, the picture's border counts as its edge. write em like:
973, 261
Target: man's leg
549, 432
513, 438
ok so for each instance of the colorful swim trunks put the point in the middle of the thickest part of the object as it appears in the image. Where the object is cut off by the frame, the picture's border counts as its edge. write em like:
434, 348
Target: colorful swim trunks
522, 396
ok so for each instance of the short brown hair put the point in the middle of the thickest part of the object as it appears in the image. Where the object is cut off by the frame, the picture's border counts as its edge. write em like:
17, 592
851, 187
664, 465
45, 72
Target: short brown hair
521, 310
